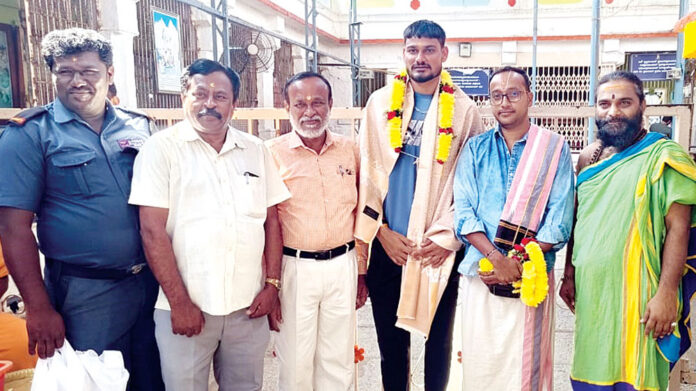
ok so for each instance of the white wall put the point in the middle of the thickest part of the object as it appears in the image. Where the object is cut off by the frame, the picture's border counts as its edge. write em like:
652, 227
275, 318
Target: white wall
120, 28
633, 25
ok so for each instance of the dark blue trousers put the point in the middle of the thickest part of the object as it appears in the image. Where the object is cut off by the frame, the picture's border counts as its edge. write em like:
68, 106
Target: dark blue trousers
384, 283
102, 314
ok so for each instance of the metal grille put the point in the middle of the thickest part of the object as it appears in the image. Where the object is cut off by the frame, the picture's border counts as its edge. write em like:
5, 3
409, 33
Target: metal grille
562, 86
574, 129
144, 51
368, 86
42, 17
556, 86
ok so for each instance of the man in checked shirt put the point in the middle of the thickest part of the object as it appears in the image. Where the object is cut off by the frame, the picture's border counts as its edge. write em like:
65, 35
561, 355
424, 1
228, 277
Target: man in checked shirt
322, 285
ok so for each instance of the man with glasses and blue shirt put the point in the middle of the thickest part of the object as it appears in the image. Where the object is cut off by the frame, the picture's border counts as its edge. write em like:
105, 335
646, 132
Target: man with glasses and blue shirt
70, 163
513, 182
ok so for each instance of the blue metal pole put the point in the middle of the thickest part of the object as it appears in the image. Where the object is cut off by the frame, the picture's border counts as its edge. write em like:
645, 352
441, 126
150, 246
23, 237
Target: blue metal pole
594, 66
534, 51
678, 93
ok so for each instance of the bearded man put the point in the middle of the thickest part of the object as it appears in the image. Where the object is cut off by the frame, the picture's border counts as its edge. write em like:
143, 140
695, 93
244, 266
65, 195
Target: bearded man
320, 277
623, 276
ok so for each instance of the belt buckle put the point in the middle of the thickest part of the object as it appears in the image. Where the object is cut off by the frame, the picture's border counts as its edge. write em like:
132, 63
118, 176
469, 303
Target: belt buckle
322, 256
135, 269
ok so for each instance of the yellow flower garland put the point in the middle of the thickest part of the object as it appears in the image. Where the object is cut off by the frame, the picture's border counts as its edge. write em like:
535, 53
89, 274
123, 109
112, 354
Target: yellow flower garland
485, 265
534, 285
444, 115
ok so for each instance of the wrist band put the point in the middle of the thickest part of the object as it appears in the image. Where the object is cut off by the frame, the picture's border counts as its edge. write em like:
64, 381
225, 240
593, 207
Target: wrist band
488, 254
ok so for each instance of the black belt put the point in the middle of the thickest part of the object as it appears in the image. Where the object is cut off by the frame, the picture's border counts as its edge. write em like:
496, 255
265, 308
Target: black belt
320, 255
503, 290
67, 269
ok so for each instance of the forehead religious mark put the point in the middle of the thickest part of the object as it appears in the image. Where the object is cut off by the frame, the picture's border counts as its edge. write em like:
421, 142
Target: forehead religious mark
613, 96
613, 87
308, 97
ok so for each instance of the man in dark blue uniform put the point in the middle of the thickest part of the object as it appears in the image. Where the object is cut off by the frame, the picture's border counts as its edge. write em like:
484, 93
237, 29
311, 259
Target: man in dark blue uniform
70, 164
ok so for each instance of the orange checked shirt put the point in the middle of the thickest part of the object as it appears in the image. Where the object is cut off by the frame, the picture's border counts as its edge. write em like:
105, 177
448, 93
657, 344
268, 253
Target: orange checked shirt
320, 215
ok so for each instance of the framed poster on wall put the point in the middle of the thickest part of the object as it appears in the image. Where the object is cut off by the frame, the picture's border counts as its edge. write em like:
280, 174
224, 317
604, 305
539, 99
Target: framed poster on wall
10, 72
167, 32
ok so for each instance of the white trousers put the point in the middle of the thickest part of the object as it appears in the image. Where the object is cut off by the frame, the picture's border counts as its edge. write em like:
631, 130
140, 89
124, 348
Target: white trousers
316, 339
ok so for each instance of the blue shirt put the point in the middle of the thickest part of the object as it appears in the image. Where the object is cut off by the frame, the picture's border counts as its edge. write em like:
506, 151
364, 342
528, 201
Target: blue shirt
77, 182
402, 180
482, 181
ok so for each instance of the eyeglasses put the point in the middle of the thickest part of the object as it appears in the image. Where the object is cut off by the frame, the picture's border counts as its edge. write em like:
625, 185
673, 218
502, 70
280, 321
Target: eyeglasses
512, 95
69, 74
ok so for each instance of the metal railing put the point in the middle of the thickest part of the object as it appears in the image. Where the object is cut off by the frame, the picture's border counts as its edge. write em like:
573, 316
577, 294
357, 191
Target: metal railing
563, 119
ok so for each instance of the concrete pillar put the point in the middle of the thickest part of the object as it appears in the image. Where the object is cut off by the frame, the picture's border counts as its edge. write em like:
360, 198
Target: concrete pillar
264, 88
120, 25
204, 33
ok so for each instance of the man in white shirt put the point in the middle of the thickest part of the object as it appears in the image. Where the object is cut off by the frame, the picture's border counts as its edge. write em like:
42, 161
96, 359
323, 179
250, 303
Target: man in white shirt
207, 194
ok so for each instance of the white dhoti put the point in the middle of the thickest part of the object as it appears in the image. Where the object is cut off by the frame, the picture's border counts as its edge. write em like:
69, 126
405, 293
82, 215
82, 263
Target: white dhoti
505, 344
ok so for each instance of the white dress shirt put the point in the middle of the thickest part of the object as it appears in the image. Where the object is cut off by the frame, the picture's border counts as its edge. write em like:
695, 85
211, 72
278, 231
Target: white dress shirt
217, 208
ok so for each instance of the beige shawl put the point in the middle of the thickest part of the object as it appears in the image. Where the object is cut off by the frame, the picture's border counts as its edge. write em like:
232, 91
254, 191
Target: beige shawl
432, 212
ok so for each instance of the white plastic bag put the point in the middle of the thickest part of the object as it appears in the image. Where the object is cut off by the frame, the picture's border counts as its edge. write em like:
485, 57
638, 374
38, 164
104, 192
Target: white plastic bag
69, 370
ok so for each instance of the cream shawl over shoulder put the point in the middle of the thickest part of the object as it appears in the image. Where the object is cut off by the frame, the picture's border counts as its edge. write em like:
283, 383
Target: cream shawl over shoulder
432, 211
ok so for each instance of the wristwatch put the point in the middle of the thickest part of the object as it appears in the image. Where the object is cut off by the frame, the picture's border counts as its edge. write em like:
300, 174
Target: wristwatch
273, 281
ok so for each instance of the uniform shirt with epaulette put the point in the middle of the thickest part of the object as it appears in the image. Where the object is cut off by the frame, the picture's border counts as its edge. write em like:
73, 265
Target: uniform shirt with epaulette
76, 181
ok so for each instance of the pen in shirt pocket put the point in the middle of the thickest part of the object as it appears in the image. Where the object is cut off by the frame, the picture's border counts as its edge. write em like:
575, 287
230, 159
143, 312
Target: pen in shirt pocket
248, 174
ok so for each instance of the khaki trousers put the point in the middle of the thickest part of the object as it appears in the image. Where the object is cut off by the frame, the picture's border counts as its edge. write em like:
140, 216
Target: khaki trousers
234, 343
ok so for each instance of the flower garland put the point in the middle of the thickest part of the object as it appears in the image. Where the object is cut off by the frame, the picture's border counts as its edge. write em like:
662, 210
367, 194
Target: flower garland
534, 285
444, 115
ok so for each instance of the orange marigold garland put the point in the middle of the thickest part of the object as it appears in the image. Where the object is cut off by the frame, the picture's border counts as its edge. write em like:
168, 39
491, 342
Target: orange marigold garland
444, 115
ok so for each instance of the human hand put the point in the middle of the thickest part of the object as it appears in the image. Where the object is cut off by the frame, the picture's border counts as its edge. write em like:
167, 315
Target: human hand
46, 331
489, 278
660, 314
275, 318
187, 318
506, 269
264, 302
397, 246
361, 297
431, 253
567, 291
